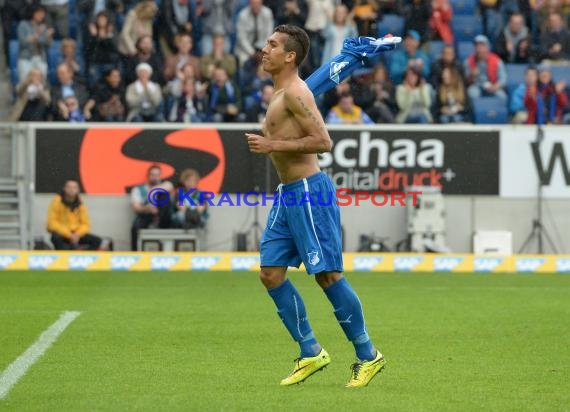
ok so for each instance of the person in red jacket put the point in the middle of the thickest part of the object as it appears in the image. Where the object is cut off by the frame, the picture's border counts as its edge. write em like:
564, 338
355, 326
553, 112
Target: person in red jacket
440, 21
485, 72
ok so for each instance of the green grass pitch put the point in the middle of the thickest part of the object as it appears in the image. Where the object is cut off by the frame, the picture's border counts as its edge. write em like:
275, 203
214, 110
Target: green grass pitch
213, 342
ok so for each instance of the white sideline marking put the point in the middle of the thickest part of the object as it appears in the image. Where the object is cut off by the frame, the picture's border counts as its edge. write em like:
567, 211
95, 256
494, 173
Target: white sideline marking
17, 369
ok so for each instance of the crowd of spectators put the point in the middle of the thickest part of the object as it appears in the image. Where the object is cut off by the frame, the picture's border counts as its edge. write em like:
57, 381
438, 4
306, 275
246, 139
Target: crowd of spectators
200, 60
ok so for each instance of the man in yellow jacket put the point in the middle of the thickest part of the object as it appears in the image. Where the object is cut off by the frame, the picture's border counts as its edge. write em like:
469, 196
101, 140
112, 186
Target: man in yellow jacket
68, 221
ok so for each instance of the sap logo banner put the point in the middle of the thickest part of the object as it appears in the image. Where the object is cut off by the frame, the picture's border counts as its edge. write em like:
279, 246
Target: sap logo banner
244, 263
163, 262
529, 264
204, 262
366, 263
406, 263
483, 264
41, 262
123, 262
446, 264
563, 265
7, 260
81, 262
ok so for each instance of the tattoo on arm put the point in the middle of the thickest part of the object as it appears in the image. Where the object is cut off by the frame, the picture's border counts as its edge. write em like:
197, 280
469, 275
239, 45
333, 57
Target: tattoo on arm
312, 116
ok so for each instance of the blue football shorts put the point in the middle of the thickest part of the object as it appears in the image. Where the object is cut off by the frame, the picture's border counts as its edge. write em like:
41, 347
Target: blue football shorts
304, 226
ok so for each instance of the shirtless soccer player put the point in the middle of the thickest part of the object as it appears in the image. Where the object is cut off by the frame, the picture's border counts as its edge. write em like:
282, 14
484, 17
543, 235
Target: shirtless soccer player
308, 232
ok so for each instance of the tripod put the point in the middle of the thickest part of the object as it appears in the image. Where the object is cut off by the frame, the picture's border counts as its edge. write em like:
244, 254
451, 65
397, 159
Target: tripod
538, 229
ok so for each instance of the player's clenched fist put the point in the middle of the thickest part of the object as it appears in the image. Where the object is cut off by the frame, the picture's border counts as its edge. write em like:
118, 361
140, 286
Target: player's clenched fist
258, 144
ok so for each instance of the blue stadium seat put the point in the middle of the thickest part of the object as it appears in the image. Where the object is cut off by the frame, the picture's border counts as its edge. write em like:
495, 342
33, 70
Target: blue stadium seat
464, 7
464, 49
561, 73
489, 110
14, 48
466, 28
391, 23
435, 47
515, 74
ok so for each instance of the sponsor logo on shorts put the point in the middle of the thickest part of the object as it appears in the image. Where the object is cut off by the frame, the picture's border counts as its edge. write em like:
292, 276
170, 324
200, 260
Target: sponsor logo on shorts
313, 258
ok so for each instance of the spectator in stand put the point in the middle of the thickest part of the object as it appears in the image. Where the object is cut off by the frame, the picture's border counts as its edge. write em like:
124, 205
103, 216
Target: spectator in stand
413, 97
67, 86
70, 56
384, 103
218, 57
451, 98
256, 113
10, 12
253, 79
254, 26
72, 112
189, 214
188, 106
332, 97
336, 31
145, 54
34, 38
144, 97
138, 23
32, 99
175, 17
440, 21
409, 56
68, 220
147, 214
346, 112
509, 40
365, 14
101, 48
89, 9
485, 72
447, 60
517, 106
217, 20
57, 16
319, 15
293, 12
553, 95
555, 40
182, 57
224, 101
417, 14
109, 97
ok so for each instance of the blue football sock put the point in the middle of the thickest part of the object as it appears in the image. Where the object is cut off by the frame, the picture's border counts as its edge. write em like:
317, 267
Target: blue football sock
348, 311
291, 310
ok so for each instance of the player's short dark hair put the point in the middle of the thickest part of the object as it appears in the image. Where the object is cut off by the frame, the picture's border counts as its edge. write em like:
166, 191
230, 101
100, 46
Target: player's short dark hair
297, 41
